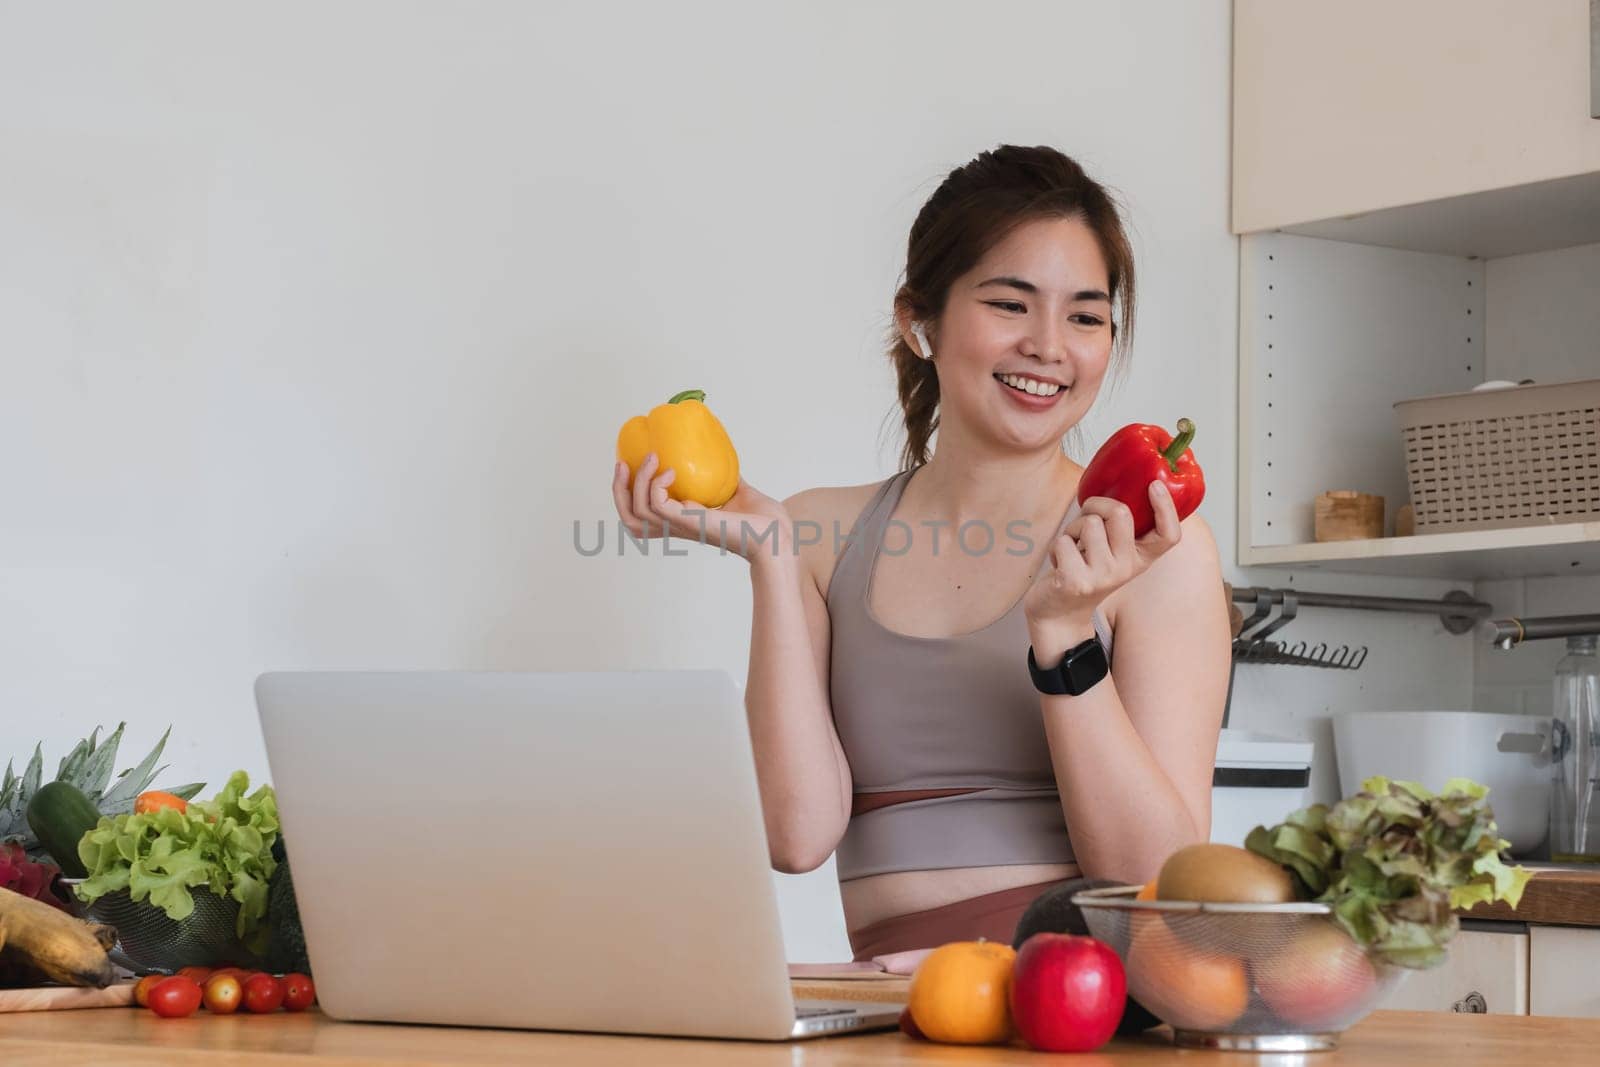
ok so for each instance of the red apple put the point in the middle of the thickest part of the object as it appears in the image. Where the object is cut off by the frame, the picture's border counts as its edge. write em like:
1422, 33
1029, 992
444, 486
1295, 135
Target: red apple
1318, 980
1067, 992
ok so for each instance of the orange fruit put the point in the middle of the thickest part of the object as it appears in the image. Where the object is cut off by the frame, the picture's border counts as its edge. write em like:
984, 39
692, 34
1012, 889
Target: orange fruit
1188, 987
960, 993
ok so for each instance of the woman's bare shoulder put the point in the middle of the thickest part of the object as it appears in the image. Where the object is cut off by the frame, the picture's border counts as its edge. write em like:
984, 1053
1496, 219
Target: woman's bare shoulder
1190, 569
829, 512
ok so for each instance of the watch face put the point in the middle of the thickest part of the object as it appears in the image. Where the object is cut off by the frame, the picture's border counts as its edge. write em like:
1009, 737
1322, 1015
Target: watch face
1079, 670
1085, 665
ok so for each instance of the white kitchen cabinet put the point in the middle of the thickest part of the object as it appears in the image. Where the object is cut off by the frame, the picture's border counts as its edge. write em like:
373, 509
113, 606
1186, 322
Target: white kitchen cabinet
1486, 973
1333, 332
1388, 218
1364, 105
1563, 979
1548, 970
1403, 174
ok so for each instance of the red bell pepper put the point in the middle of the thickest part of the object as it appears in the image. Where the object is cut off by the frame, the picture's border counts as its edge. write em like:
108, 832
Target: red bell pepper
1137, 455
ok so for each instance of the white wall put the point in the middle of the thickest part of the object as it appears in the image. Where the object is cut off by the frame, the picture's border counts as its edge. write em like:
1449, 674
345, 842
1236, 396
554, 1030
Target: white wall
318, 321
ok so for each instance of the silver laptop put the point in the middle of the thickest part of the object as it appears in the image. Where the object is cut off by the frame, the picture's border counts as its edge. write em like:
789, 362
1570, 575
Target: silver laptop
577, 851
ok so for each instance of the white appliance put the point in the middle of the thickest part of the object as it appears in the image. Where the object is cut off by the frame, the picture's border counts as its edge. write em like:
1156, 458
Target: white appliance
1508, 753
1258, 780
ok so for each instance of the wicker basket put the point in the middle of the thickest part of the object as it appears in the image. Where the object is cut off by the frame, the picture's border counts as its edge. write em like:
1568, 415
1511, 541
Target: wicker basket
1500, 458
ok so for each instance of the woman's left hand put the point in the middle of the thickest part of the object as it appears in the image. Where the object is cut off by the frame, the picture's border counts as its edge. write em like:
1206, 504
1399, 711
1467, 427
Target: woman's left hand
1095, 555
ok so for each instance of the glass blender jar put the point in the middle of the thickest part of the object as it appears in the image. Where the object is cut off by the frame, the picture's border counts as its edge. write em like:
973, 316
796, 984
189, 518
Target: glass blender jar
1575, 752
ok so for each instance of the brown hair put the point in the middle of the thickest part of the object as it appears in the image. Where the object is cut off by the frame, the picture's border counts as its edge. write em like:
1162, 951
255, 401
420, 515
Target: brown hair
975, 208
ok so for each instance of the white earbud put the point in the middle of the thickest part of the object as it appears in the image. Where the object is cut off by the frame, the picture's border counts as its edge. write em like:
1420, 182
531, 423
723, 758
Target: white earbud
921, 336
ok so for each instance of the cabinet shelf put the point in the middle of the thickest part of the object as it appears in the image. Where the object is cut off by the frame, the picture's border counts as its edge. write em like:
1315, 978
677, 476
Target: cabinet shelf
1536, 217
1526, 551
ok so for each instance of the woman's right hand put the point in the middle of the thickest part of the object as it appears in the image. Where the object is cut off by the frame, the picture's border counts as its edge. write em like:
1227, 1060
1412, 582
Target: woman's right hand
749, 524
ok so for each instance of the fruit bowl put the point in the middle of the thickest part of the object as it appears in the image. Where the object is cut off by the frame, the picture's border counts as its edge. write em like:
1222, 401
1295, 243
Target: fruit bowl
1253, 977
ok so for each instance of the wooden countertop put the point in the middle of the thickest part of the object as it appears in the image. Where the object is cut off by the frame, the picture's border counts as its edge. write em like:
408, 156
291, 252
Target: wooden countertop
133, 1036
1554, 896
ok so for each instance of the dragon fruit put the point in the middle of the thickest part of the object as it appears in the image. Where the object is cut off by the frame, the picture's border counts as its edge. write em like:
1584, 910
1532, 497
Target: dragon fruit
32, 879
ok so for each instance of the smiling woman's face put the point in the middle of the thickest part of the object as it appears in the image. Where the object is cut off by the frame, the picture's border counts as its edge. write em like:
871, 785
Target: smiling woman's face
1036, 309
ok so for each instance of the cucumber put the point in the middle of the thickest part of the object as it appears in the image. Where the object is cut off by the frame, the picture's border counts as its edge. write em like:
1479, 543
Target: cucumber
60, 814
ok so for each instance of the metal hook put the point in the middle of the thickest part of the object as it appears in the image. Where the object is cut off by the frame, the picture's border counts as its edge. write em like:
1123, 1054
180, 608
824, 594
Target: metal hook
1262, 610
1291, 605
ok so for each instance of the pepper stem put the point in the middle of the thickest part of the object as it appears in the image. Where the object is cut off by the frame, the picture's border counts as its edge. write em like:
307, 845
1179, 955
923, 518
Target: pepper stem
1179, 445
689, 394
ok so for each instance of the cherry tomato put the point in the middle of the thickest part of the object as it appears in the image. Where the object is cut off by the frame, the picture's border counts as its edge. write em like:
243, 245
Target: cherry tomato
223, 994
298, 992
199, 975
141, 989
155, 800
263, 993
175, 997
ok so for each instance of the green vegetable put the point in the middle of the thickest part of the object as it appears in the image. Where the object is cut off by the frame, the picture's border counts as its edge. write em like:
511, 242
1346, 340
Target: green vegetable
59, 815
88, 767
1395, 861
224, 844
286, 948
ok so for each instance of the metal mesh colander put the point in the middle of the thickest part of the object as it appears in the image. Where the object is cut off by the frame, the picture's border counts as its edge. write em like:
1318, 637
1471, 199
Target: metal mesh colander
1259, 977
149, 941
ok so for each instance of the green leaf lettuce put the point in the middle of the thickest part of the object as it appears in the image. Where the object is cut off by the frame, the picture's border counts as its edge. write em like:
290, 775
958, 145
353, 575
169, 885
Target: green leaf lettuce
1395, 861
223, 845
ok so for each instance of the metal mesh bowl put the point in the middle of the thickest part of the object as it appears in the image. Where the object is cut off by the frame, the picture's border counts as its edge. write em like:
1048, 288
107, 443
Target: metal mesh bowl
149, 941
1255, 977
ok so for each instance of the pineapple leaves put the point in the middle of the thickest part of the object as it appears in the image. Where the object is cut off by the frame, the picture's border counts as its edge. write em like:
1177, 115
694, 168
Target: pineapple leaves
30, 778
88, 767
72, 766
96, 770
14, 796
9, 818
131, 783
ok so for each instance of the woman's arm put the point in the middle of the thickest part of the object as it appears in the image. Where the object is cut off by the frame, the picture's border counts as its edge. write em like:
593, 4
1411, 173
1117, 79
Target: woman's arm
1133, 756
801, 768
800, 764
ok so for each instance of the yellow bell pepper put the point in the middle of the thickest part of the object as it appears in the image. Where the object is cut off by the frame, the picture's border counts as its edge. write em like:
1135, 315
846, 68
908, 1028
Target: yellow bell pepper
688, 439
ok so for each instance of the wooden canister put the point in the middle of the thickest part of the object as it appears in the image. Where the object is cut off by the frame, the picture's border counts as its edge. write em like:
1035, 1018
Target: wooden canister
1346, 515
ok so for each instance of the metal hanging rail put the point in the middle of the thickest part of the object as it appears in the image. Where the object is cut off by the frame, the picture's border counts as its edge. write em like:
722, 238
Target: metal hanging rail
1507, 633
1458, 611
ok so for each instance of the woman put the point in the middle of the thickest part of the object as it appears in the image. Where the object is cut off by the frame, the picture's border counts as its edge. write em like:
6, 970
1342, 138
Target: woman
893, 709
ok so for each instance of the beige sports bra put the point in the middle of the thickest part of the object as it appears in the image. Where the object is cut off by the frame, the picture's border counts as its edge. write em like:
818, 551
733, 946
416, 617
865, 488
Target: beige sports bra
944, 735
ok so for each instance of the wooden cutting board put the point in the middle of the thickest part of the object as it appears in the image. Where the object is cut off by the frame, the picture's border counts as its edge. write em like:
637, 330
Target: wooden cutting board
892, 991
59, 998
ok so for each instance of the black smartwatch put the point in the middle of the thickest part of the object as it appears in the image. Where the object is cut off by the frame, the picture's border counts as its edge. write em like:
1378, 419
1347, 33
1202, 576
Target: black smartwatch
1079, 670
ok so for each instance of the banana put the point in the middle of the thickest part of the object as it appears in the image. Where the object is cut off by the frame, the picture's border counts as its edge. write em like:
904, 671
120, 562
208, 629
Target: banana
106, 935
60, 947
